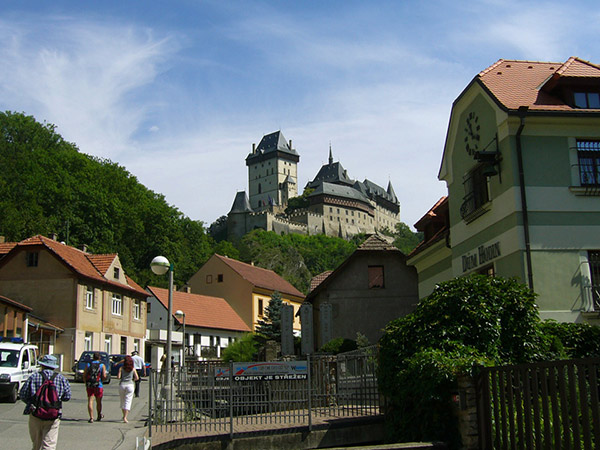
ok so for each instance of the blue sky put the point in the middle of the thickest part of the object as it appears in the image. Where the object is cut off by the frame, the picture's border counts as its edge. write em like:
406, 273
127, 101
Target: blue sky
177, 91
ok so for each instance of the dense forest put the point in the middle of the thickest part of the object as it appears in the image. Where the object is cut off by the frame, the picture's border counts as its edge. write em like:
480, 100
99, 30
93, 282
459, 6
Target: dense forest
48, 186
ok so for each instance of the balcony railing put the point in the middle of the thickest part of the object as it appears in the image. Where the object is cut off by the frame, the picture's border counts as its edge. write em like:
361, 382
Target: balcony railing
592, 298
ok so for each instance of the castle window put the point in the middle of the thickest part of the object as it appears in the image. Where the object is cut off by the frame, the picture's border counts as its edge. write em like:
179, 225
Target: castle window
259, 188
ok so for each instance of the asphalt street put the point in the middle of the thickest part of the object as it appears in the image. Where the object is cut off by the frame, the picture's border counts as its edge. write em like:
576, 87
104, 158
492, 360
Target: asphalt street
75, 431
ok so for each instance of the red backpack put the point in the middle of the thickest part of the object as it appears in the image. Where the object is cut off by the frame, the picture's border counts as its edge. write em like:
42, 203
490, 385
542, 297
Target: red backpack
45, 404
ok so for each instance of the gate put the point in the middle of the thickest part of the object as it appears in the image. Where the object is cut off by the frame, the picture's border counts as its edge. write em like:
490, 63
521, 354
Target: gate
213, 397
548, 405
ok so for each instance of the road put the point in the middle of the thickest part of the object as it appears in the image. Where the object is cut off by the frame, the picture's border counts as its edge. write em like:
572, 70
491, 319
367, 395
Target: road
75, 431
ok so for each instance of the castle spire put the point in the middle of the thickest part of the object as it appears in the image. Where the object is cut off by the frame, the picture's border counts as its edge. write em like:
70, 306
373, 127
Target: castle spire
330, 155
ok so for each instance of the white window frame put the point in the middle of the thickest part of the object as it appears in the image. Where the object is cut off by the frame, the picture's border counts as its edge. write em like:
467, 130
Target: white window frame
136, 345
88, 341
117, 304
89, 297
108, 343
137, 309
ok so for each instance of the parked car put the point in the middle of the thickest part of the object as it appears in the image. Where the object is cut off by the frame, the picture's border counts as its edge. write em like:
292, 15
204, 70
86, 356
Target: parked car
86, 358
17, 362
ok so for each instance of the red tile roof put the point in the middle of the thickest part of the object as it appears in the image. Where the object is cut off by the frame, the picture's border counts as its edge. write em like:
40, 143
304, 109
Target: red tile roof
6, 247
202, 310
102, 262
318, 279
262, 278
79, 261
432, 213
528, 83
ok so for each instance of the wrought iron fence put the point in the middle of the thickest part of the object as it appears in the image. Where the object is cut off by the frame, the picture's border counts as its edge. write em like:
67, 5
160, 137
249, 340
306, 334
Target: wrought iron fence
210, 397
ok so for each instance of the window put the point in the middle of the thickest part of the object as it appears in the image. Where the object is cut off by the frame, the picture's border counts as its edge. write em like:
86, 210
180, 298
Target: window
594, 262
476, 191
588, 100
108, 344
136, 309
89, 297
588, 154
123, 345
260, 307
208, 279
117, 305
87, 341
116, 273
31, 259
375, 277
136, 345
220, 278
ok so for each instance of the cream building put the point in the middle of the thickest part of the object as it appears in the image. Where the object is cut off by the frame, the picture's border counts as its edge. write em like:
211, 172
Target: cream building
246, 288
89, 296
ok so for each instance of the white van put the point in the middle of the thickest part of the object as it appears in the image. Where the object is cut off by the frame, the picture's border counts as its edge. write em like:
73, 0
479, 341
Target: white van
17, 363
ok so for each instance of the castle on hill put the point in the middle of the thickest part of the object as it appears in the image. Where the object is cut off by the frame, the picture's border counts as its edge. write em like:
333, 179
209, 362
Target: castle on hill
337, 205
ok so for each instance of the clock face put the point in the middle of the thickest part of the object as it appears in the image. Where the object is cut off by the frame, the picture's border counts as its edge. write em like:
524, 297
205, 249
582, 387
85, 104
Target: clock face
472, 136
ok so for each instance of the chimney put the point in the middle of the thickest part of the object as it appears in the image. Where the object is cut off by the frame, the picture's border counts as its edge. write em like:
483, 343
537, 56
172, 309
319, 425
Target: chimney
290, 144
254, 148
185, 288
83, 248
53, 236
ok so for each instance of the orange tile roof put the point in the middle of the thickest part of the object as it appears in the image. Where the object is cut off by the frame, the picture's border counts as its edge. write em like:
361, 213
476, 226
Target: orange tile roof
6, 247
318, 279
528, 83
102, 262
79, 261
202, 310
432, 213
262, 278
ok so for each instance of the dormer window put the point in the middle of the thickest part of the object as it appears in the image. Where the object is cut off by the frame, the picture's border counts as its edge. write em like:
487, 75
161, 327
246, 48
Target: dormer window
116, 273
587, 100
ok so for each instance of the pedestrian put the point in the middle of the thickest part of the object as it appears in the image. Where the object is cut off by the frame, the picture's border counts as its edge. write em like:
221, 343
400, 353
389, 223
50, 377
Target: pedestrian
140, 367
44, 431
127, 376
93, 375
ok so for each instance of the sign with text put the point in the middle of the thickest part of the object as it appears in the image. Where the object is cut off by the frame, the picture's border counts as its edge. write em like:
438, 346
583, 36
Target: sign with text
266, 371
479, 257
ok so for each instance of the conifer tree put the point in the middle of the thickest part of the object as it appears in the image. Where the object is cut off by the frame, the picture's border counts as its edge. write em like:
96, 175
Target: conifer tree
270, 325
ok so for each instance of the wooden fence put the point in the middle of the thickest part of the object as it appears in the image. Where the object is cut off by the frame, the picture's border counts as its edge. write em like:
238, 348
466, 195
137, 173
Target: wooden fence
549, 405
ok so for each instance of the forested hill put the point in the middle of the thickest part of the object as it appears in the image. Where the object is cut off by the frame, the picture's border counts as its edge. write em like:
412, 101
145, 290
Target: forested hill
48, 186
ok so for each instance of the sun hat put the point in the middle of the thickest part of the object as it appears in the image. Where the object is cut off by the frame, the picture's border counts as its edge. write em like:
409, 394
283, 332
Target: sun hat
49, 361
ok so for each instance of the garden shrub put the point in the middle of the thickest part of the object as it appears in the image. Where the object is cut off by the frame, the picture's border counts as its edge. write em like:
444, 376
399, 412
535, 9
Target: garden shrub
574, 340
463, 324
339, 345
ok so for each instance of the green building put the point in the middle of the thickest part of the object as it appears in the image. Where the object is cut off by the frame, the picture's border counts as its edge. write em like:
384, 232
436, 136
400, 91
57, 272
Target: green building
522, 167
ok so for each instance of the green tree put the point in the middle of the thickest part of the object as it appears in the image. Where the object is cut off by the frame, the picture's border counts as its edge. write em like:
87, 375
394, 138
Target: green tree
464, 323
300, 202
243, 349
269, 326
404, 238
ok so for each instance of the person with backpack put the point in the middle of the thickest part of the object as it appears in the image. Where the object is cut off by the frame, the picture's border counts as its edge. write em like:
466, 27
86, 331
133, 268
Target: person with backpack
43, 394
93, 375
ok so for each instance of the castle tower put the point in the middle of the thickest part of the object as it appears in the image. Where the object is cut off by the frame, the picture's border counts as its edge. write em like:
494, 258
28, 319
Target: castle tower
272, 173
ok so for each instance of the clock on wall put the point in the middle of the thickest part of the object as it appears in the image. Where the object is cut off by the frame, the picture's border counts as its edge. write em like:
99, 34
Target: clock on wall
472, 136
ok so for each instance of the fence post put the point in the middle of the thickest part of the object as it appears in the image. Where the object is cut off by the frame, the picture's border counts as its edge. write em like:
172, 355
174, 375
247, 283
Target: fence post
150, 393
308, 367
483, 410
231, 399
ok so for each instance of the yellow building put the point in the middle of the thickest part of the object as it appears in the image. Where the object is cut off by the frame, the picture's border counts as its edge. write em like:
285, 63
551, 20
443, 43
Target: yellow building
246, 288
89, 296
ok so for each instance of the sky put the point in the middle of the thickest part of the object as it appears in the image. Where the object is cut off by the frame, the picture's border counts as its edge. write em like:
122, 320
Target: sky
178, 91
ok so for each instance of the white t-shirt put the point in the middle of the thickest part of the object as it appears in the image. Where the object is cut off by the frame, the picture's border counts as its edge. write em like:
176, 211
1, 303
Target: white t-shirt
138, 362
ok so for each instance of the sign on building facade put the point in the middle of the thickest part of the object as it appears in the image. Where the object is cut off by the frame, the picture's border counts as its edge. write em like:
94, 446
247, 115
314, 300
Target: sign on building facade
287, 329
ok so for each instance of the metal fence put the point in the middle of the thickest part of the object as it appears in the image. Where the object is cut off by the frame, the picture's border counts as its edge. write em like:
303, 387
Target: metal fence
210, 397
549, 405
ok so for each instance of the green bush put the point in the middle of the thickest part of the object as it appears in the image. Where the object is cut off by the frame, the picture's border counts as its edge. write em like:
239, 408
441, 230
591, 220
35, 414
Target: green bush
465, 323
572, 340
339, 345
244, 349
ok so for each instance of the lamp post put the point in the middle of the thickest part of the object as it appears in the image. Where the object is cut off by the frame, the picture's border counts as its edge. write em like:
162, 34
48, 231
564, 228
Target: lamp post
161, 265
179, 313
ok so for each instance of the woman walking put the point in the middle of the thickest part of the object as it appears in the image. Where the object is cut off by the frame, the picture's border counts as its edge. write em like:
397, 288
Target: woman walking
128, 375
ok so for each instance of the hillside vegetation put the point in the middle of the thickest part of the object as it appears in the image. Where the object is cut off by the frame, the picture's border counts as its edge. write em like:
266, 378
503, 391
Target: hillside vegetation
48, 186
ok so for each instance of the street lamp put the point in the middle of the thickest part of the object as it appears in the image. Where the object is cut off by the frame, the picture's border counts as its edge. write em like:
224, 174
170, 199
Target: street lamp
161, 265
179, 313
